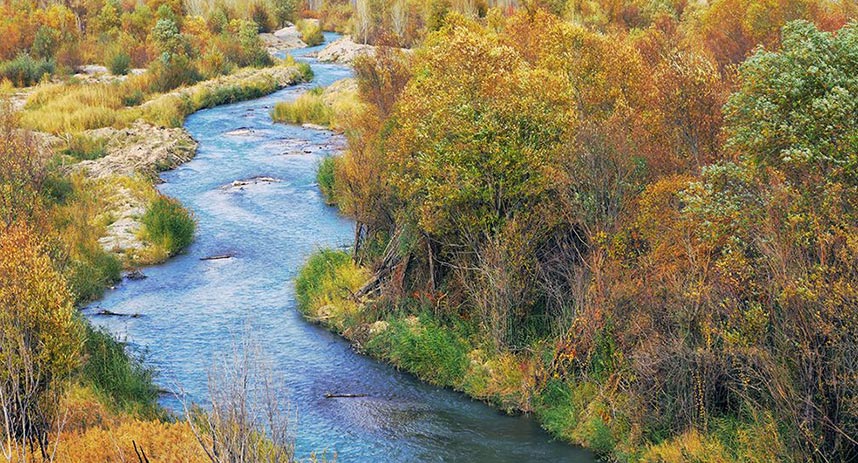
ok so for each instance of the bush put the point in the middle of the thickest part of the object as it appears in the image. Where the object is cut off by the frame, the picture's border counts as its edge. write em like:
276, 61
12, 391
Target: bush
120, 63
172, 71
82, 147
325, 178
122, 380
308, 107
168, 225
24, 71
311, 33
40, 339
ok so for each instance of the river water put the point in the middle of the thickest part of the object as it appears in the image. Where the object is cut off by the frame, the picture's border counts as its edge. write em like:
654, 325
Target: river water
191, 309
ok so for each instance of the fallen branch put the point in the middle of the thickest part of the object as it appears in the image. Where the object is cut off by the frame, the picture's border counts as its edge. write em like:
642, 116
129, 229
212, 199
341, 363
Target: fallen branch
330, 395
218, 257
109, 313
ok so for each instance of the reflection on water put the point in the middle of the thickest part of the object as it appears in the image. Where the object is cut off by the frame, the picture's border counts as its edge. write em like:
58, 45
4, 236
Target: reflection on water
191, 308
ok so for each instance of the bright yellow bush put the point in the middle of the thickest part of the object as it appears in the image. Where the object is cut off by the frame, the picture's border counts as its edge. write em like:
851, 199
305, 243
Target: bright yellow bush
164, 442
689, 447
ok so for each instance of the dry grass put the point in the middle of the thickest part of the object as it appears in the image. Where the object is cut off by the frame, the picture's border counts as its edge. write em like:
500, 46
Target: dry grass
75, 107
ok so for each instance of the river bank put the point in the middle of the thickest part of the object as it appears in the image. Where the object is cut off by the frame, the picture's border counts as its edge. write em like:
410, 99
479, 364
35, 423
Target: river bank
121, 160
188, 306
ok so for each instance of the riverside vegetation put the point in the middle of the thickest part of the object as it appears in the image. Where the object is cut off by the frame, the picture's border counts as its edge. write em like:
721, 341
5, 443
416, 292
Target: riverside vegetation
79, 157
634, 219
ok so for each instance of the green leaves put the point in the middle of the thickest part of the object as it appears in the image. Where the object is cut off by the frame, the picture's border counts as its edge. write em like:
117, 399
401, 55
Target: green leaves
795, 109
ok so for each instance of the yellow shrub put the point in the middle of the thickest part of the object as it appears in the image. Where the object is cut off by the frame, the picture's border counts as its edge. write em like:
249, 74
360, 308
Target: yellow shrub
689, 447
161, 441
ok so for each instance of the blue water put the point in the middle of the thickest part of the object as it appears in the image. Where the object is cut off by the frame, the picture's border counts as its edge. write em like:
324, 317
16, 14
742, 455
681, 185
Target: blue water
191, 310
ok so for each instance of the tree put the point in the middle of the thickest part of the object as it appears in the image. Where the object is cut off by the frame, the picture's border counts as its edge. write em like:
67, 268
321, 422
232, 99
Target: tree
795, 108
40, 341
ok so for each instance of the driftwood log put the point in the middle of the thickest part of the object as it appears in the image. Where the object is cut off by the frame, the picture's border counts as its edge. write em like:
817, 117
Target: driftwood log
333, 395
218, 257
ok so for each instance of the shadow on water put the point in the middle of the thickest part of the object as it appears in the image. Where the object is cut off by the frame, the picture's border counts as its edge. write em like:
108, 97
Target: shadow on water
191, 308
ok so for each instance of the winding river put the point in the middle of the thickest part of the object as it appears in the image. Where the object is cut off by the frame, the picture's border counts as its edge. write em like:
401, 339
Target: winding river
191, 309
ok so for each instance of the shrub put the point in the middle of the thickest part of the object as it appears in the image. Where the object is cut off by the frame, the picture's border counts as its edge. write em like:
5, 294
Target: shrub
40, 340
311, 32
120, 63
82, 147
172, 71
308, 107
25, 71
122, 380
259, 14
168, 225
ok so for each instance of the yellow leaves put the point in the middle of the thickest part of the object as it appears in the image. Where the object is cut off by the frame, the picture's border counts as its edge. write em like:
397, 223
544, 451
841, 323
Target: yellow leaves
161, 441
35, 305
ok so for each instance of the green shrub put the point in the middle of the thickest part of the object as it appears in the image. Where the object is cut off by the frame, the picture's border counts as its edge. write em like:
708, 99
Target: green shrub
82, 147
172, 71
284, 10
325, 177
25, 71
311, 33
122, 380
168, 225
308, 107
120, 63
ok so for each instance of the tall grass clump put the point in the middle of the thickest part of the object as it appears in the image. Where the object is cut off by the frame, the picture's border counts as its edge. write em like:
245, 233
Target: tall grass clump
325, 178
325, 285
92, 271
119, 378
25, 70
309, 107
425, 347
83, 147
74, 108
168, 225
311, 32
77, 214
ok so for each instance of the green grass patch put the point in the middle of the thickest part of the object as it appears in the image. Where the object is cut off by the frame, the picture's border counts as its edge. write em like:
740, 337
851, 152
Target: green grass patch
325, 284
325, 177
424, 347
168, 225
83, 148
91, 272
309, 107
121, 380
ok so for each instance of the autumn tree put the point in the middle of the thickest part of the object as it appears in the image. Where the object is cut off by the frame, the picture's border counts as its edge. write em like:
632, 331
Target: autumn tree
40, 341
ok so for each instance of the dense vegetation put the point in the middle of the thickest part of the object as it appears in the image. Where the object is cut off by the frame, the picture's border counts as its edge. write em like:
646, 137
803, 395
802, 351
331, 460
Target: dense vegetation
635, 219
69, 392
180, 43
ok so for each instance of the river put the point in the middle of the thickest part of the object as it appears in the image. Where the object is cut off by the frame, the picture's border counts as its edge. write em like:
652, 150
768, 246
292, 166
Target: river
191, 309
